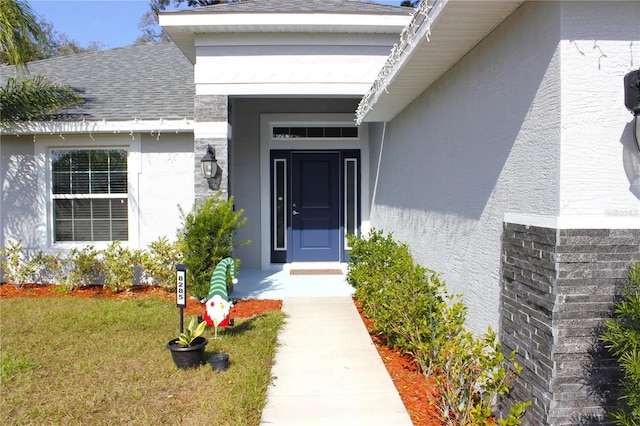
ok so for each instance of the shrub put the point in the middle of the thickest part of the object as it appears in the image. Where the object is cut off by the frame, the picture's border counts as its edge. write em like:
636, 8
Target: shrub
159, 263
621, 336
207, 237
17, 267
407, 302
78, 267
82, 266
119, 266
410, 307
472, 372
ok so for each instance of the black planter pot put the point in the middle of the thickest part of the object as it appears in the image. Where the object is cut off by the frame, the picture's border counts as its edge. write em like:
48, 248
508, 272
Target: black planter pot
188, 357
219, 362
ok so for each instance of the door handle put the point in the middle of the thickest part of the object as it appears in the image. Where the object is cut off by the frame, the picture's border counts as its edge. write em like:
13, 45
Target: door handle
295, 212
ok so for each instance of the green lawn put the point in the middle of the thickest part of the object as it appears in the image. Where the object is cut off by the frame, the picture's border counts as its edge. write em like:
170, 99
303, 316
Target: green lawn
99, 361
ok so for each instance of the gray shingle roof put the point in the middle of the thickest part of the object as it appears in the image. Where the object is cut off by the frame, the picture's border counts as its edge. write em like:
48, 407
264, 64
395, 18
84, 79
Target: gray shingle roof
144, 81
303, 6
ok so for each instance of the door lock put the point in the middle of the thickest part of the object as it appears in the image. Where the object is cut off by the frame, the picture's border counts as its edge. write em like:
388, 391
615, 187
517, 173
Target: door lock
295, 212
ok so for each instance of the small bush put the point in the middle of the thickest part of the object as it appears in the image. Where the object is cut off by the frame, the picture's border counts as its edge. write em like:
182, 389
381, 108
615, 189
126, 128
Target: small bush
83, 266
17, 267
119, 266
472, 373
621, 336
159, 263
410, 307
208, 236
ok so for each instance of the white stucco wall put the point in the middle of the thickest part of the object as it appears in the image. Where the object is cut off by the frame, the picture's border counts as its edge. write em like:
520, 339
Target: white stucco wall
482, 141
166, 182
529, 125
20, 206
160, 178
600, 171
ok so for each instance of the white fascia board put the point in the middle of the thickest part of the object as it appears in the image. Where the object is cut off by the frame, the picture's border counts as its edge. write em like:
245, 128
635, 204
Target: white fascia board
281, 22
306, 89
102, 126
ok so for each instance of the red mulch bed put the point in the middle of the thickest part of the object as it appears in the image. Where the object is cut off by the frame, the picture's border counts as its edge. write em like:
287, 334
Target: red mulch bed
414, 389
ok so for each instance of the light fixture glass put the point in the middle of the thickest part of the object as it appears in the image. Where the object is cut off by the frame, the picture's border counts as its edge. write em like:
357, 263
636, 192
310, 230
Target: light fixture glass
209, 163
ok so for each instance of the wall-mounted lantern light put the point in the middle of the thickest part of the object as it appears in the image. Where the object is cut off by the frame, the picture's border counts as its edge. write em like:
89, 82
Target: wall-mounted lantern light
632, 101
210, 169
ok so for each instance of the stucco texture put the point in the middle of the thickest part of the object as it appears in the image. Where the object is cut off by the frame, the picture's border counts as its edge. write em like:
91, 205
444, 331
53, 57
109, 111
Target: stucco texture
483, 140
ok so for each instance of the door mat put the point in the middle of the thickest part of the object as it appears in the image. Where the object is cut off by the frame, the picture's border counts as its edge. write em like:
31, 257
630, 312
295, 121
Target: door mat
315, 272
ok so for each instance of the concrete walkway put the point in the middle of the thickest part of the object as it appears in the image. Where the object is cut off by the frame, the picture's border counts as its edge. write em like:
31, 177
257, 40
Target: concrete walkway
327, 371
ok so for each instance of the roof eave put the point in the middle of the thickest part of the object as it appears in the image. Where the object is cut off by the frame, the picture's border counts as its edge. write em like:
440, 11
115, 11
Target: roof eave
183, 28
132, 126
427, 50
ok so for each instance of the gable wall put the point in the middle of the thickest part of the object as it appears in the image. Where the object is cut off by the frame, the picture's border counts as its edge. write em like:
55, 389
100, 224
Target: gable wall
283, 64
20, 207
482, 141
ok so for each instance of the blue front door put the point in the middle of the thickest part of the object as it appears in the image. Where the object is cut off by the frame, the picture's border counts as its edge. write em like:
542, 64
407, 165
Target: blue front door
315, 206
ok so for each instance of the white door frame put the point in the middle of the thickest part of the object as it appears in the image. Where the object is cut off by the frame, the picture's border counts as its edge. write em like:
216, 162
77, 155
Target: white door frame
267, 143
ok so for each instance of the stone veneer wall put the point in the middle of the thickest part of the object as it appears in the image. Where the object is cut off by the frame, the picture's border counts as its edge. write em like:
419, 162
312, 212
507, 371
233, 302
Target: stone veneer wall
558, 285
211, 109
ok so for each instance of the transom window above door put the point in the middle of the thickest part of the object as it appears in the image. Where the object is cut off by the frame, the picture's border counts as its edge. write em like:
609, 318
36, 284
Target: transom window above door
316, 132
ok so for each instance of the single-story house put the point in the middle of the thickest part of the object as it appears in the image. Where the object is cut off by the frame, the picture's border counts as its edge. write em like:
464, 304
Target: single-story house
492, 137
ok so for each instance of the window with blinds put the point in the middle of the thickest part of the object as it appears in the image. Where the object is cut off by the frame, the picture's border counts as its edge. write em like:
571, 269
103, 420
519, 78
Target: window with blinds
89, 191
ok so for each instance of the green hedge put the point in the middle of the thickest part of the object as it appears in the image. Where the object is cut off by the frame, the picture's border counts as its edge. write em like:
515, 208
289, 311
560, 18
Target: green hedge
410, 307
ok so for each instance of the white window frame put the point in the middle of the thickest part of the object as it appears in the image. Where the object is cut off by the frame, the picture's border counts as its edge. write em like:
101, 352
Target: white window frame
43, 148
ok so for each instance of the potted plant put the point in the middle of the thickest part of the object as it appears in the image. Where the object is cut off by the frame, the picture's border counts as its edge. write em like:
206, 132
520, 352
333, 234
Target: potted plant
188, 348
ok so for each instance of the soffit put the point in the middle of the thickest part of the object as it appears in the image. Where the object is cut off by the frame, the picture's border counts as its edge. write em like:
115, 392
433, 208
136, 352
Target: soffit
450, 29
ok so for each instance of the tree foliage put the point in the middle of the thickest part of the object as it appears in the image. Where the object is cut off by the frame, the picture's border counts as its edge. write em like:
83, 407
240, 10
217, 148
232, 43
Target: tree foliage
30, 99
158, 5
25, 38
25, 98
151, 31
20, 32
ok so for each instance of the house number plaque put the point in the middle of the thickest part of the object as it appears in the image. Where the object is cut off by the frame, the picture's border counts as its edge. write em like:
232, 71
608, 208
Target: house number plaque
181, 286
181, 291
